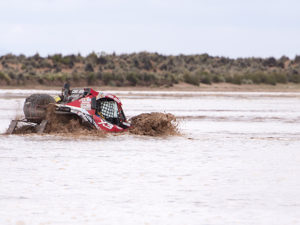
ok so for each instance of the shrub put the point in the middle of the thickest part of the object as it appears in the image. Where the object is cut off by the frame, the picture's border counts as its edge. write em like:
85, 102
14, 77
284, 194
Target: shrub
270, 79
57, 68
247, 81
12, 75
119, 77
205, 79
270, 62
41, 80
255, 77
294, 77
5, 77
281, 78
107, 77
191, 79
218, 79
102, 60
57, 58
132, 78
237, 79
88, 68
91, 78
68, 61
92, 58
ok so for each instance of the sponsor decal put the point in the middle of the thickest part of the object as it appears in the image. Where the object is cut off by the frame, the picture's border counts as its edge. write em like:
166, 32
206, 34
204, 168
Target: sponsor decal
108, 126
85, 103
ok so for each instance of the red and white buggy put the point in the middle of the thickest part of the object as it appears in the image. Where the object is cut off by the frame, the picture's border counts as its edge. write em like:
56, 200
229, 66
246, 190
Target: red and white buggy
94, 109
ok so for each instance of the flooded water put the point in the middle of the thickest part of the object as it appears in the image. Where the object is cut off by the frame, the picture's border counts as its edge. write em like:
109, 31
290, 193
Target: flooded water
236, 162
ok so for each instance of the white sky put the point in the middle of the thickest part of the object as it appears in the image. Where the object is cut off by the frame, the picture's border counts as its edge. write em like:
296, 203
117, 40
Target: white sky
233, 28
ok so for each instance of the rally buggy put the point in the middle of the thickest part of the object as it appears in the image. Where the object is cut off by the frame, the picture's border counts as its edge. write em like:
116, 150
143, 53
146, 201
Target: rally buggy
94, 109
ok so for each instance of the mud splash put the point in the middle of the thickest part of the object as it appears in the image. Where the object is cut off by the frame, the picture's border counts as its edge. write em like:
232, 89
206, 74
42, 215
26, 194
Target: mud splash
24, 129
154, 124
61, 124
148, 124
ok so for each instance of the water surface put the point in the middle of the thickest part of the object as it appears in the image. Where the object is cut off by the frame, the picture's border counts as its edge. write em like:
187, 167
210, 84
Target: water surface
237, 162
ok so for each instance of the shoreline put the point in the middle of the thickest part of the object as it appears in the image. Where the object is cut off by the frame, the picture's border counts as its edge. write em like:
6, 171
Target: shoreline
221, 87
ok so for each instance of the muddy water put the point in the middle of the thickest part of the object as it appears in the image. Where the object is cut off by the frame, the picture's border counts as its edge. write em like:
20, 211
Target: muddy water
237, 162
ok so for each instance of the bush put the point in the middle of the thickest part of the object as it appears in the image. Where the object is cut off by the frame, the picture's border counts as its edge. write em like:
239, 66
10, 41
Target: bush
255, 77
237, 79
57, 58
107, 77
205, 79
88, 68
281, 78
91, 78
294, 77
132, 78
102, 60
270, 79
92, 58
5, 77
218, 79
270, 62
191, 79
247, 81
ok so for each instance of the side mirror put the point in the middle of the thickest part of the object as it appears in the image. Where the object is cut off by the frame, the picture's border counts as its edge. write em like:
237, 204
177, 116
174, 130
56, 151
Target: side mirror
94, 103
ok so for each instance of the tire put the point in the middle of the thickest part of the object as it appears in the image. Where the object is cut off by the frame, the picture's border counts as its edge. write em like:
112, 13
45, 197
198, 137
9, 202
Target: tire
35, 107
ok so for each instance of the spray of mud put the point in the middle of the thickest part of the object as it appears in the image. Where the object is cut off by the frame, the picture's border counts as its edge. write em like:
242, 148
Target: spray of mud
150, 124
154, 124
70, 125
61, 124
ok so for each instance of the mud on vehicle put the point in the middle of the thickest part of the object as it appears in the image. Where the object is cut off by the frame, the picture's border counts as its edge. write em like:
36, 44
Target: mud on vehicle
94, 109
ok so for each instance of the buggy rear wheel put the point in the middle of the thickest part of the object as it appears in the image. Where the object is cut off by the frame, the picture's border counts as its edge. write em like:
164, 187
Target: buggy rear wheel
35, 107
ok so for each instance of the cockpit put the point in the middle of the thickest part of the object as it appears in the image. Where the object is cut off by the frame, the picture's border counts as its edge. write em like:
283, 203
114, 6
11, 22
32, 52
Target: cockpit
109, 110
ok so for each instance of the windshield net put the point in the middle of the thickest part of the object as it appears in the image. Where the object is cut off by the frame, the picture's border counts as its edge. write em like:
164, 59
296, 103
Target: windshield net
108, 108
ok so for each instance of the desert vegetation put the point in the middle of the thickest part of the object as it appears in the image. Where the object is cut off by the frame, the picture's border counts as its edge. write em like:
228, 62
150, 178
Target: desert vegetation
144, 69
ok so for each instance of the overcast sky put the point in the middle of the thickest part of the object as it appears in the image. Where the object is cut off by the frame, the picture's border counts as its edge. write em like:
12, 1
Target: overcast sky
233, 28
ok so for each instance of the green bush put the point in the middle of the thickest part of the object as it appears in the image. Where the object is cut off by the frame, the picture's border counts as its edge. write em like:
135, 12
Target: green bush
92, 58
107, 77
191, 79
280, 78
5, 77
294, 77
88, 68
247, 81
270, 79
218, 79
91, 78
205, 79
237, 79
132, 78
255, 77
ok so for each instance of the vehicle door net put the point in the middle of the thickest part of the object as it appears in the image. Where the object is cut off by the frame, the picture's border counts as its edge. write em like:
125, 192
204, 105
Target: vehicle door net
108, 108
